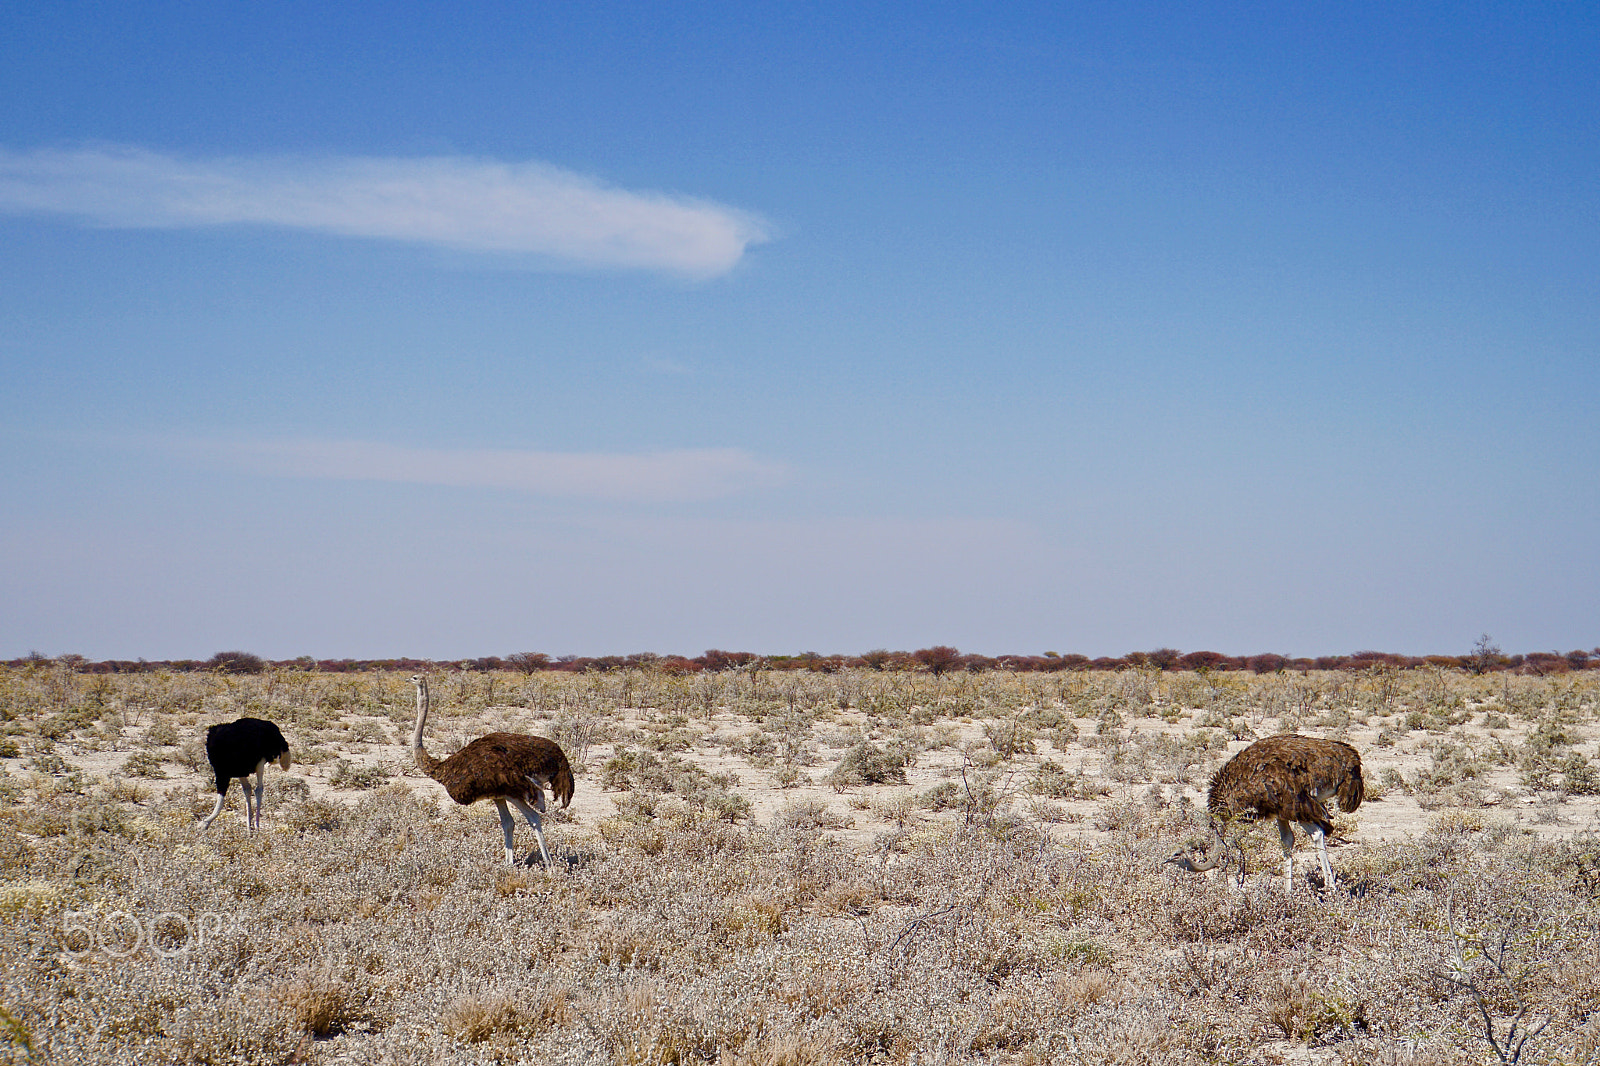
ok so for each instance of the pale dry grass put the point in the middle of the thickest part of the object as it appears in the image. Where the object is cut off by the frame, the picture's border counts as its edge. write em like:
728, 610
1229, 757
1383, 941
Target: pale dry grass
971, 873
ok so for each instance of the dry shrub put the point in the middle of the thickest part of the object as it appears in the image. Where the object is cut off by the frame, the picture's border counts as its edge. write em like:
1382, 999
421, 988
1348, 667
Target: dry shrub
785, 1049
625, 942
346, 775
1413, 1052
900, 808
15, 851
866, 763
162, 733
644, 1030
1083, 989
624, 832
872, 1037
1199, 969
757, 916
143, 764
1050, 778
848, 897
223, 1032
1212, 911
808, 814
124, 790
69, 815
316, 815
325, 1001
29, 898
1310, 1011
474, 1019
192, 756
945, 796
821, 991
1012, 1021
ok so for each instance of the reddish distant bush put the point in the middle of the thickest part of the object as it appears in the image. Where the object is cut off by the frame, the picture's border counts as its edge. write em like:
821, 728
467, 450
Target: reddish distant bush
1204, 660
1165, 658
1544, 663
1270, 663
939, 659
583, 664
1363, 659
120, 666
528, 661
1023, 664
715, 659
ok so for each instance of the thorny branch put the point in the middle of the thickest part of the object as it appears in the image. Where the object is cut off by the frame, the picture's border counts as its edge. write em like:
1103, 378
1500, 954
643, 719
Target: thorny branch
1497, 951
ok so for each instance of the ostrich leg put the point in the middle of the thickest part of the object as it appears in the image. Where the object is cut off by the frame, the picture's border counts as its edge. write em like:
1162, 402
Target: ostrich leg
205, 823
1286, 835
534, 820
509, 826
261, 786
1320, 839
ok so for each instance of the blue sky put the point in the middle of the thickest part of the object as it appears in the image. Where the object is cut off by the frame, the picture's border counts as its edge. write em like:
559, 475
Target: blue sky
466, 329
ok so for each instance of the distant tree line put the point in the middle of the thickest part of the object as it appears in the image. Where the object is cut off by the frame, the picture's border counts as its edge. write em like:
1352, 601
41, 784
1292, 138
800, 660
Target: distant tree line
941, 659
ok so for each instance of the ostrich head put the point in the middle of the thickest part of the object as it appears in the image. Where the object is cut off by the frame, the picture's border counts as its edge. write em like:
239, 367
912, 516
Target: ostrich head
1202, 855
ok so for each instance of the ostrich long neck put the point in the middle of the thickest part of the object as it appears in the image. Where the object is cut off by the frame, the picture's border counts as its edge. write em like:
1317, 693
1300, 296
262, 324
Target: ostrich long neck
425, 762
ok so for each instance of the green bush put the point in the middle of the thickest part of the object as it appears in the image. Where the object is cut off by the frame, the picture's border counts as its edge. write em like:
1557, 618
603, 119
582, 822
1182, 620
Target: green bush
866, 763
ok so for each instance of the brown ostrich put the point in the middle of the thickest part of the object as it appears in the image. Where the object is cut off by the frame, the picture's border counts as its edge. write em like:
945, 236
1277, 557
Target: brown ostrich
1290, 778
506, 767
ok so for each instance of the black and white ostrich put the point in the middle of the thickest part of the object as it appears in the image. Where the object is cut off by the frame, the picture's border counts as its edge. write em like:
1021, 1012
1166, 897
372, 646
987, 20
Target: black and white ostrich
1290, 778
513, 768
239, 749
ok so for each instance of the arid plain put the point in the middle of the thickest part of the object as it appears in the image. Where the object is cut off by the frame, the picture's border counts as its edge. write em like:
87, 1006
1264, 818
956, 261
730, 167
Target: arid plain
791, 867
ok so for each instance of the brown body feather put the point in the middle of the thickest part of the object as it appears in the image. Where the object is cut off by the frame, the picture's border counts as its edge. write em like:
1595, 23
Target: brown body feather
503, 765
1289, 777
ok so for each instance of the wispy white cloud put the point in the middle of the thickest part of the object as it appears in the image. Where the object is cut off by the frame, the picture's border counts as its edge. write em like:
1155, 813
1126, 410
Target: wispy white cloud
666, 476
464, 203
